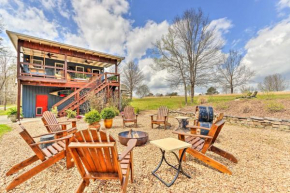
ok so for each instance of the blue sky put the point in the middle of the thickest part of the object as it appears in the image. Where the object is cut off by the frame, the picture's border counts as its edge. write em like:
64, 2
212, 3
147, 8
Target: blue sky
258, 28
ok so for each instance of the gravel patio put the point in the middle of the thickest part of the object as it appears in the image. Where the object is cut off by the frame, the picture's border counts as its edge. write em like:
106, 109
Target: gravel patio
263, 155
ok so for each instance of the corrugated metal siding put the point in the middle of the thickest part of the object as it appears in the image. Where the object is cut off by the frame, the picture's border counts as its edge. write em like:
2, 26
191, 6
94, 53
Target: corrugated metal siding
29, 98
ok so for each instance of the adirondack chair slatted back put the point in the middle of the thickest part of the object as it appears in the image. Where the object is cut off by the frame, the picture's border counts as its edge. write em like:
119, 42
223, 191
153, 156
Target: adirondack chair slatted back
162, 112
49, 118
214, 132
101, 161
129, 113
29, 140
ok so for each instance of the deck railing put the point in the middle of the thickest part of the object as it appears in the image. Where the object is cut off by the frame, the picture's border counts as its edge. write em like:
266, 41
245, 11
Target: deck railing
36, 71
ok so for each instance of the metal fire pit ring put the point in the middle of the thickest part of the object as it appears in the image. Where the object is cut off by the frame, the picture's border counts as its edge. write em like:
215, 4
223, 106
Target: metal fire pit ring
124, 137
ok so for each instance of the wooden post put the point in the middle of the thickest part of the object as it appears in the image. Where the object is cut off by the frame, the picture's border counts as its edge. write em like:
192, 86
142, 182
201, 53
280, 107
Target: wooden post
78, 109
116, 68
119, 93
65, 66
18, 80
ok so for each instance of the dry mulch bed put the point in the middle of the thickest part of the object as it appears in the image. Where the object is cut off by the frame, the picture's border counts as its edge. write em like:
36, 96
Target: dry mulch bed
263, 155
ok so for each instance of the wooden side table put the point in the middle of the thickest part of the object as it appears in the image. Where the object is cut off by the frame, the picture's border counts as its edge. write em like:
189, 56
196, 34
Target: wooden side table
170, 145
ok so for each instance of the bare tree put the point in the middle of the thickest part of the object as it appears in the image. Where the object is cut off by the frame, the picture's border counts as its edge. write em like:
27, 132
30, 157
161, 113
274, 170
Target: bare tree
190, 50
274, 82
231, 73
132, 77
7, 75
143, 90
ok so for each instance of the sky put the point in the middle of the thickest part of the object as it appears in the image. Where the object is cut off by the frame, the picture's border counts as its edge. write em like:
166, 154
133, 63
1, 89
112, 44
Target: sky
260, 29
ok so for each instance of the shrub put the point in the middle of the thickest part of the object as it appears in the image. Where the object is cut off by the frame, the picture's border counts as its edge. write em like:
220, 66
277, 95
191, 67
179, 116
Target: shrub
117, 112
71, 113
54, 110
137, 110
11, 112
92, 117
125, 102
246, 109
201, 100
274, 106
222, 106
108, 113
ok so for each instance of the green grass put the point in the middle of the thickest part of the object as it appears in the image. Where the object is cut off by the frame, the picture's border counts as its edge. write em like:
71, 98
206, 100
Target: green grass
4, 129
2, 112
153, 103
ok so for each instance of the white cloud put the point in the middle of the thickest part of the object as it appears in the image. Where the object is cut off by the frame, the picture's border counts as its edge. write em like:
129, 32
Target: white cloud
268, 52
56, 5
283, 4
221, 27
29, 20
142, 38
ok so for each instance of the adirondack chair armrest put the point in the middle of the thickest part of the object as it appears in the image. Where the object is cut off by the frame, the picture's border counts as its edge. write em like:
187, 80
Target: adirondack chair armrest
37, 136
192, 135
130, 145
197, 127
62, 131
57, 124
51, 141
71, 121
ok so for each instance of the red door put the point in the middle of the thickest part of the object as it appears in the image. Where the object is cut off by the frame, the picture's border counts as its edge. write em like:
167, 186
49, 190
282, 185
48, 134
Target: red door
41, 104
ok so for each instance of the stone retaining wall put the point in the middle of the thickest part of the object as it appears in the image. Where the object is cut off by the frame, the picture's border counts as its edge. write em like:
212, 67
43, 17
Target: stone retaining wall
259, 122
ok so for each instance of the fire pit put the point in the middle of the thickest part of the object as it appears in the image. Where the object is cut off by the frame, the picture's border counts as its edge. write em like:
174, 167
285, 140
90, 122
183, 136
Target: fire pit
141, 136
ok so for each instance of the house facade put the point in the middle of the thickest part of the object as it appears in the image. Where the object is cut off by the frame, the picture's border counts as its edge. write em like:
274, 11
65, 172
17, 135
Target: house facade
55, 75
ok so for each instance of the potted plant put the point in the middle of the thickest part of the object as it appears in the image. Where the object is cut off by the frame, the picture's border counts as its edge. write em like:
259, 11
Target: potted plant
108, 114
92, 118
12, 114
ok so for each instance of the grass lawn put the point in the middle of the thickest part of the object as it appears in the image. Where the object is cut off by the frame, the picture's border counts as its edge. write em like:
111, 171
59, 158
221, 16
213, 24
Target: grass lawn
2, 112
152, 103
4, 129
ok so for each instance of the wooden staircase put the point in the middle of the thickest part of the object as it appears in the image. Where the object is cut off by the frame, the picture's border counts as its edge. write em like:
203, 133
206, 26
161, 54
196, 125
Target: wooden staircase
96, 85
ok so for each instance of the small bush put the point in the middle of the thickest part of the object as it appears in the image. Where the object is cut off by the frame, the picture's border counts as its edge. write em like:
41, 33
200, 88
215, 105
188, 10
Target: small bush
71, 113
92, 117
222, 106
11, 112
108, 113
137, 110
246, 109
54, 110
201, 100
117, 112
274, 106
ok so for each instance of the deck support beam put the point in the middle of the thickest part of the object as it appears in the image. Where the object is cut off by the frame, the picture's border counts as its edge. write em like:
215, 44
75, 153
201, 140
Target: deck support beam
20, 43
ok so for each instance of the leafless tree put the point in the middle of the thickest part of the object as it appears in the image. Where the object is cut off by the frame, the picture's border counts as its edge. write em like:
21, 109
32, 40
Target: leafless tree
274, 82
143, 90
7, 76
189, 50
231, 73
132, 77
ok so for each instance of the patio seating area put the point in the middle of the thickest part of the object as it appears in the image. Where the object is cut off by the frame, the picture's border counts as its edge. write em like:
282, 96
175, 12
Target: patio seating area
263, 157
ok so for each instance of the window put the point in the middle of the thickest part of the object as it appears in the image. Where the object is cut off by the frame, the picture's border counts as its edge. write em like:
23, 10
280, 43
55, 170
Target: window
80, 68
38, 111
96, 71
38, 62
58, 65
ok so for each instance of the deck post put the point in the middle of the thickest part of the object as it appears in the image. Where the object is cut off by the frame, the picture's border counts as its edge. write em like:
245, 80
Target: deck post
65, 66
18, 80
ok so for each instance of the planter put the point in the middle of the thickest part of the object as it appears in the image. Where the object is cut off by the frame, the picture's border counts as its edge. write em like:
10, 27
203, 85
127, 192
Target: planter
13, 118
95, 125
108, 123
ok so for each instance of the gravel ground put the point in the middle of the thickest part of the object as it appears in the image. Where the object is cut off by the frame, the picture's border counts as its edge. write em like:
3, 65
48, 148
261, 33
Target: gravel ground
263, 155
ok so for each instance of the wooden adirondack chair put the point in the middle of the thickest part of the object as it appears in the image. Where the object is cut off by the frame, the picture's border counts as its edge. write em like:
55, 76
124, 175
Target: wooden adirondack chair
53, 126
96, 157
129, 116
162, 117
203, 143
48, 156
